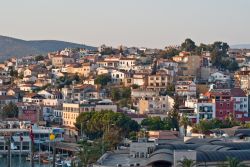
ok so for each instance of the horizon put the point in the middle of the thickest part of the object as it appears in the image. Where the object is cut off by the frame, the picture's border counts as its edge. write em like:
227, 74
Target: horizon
143, 23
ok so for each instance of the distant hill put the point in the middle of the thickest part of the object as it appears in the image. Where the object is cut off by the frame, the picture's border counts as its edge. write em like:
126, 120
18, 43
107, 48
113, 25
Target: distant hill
10, 47
240, 46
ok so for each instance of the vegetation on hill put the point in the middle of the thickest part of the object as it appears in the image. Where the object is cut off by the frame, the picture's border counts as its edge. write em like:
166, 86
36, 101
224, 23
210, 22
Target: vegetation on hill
12, 47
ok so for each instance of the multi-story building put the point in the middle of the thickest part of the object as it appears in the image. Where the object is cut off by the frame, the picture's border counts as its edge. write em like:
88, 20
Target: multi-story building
155, 104
242, 79
185, 88
72, 110
205, 109
230, 101
81, 69
241, 103
189, 65
159, 81
60, 60
118, 77
70, 113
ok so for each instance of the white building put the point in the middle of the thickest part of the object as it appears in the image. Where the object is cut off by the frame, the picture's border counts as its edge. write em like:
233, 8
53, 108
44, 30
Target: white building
219, 76
185, 88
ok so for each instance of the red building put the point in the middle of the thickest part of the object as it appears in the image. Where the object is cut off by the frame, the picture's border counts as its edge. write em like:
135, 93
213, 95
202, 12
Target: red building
29, 115
224, 104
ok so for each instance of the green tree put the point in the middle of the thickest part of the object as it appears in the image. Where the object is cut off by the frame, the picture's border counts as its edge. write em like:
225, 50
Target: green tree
13, 73
103, 79
202, 127
125, 92
174, 113
10, 111
186, 163
168, 53
234, 162
184, 121
188, 45
95, 124
39, 58
89, 153
115, 94
156, 123
135, 86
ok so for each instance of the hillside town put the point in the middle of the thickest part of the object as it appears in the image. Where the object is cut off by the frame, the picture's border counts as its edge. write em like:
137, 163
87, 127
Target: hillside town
127, 106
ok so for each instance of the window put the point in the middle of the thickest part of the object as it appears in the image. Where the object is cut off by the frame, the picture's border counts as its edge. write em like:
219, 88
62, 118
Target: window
221, 112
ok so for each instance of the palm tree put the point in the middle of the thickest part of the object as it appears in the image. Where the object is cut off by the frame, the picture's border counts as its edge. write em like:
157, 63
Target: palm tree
234, 162
185, 122
186, 163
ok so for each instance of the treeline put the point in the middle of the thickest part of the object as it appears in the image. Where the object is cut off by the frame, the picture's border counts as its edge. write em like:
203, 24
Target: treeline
218, 50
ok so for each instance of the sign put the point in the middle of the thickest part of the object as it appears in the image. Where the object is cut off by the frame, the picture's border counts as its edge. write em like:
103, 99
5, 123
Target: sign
52, 137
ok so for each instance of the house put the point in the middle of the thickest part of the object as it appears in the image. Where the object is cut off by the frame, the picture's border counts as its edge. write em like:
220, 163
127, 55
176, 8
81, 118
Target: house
241, 103
188, 65
127, 63
140, 79
219, 77
118, 77
60, 60
167, 64
204, 108
5, 80
33, 98
81, 69
70, 113
185, 88
27, 72
103, 70
89, 82
224, 103
28, 87
159, 81
242, 79
155, 104
29, 78
182, 57
29, 112
77, 92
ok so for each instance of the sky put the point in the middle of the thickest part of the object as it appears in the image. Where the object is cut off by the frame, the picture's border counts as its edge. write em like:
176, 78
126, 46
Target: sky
142, 23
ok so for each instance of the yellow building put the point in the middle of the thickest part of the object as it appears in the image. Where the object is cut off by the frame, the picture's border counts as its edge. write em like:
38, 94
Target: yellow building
81, 69
70, 113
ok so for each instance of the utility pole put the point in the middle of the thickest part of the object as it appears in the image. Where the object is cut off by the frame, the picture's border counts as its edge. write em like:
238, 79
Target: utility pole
9, 154
54, 154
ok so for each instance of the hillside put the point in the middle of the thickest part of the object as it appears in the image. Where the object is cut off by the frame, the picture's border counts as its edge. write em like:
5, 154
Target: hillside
10, 47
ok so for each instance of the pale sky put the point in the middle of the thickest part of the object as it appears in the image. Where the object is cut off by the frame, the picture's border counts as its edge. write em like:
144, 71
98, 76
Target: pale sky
149, 23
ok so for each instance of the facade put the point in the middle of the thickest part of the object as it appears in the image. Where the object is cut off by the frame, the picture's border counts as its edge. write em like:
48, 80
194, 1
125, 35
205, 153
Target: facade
159, 81
155, 104
118, 77
219, 77
205, 109
185, 88
60, 61
70, 113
